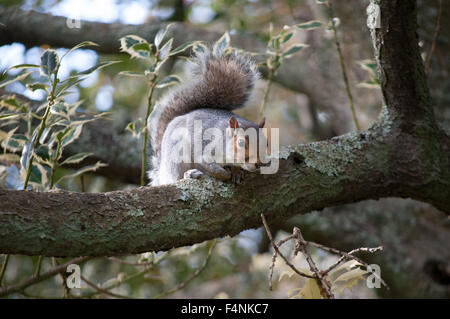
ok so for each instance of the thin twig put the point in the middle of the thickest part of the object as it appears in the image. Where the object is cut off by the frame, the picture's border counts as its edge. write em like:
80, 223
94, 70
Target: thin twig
275, 247
435, 36
272, 266
103, 291
129, 263
343, 69
302, 245
126, 279
144, 142
3, 269
34, 280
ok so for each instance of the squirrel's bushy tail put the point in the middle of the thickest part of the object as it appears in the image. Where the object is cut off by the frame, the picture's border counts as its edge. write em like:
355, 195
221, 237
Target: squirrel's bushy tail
216, 82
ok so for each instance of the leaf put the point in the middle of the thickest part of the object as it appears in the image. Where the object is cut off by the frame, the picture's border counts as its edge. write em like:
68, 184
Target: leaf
168, 80
127, 42
165, 50
369, 65
142, 50
80, 45
77, 158
60, 108
293, 49
9, 158
286, 273
369, 85
39, 174
286, 37
222, 44
199, 48
4, 116
37, 86
348, 279
135, 128
10, 102
161, 34
274, 43
69, 135
182, 47
96, 67
347, 266
351, 274
311, 290
129, 73
49, 61
66, 85
20, 77
89, 168
27, 152
42, 154
310, 25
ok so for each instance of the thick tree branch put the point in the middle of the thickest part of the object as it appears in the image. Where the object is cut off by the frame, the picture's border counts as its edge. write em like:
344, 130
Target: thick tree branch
345, 169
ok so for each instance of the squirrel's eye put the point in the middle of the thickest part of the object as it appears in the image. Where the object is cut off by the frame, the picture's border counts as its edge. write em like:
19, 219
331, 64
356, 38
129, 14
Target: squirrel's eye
241, 142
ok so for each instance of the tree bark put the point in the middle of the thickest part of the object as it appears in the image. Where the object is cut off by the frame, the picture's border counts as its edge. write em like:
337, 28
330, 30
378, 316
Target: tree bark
404, 154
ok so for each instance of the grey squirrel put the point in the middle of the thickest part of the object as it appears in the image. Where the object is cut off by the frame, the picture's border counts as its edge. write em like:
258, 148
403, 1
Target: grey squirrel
219, 83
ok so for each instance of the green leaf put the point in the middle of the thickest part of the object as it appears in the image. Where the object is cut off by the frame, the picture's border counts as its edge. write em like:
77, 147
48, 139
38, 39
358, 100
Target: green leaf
4, 116
141, 50
199, 48
9, 158
27, 152
274, 43
96, 67
286, 37
129, 73
168, 80
127, 42
80, 45
165, 50
60, 108
182, 47
49, 61
222, 44
19, 77
42, 154
77, 158
39, 174
369, 84
292, 50
37, 86
11, 103
66, 85
310, 25
135, 128
69, 135
161, 34
89, 168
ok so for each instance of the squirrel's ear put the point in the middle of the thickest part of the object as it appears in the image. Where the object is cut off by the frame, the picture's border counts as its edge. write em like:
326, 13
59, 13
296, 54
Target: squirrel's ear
233, 123
262, 122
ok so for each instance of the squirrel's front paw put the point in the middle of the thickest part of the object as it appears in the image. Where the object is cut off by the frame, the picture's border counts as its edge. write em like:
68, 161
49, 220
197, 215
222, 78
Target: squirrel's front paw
237, 175
193, 173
